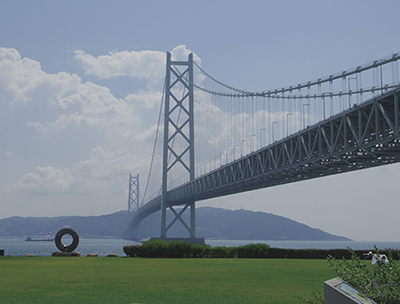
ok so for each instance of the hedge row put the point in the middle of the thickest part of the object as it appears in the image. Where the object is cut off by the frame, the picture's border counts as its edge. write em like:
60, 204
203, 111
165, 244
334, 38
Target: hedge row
156, 248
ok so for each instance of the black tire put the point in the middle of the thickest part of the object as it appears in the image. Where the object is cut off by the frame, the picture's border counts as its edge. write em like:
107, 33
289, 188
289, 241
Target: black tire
72, 246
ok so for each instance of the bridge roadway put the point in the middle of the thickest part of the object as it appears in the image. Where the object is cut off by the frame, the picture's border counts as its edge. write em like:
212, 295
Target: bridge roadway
365, 136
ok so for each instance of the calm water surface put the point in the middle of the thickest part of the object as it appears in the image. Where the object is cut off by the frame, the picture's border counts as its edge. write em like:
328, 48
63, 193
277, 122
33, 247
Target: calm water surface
19, 247
356, 245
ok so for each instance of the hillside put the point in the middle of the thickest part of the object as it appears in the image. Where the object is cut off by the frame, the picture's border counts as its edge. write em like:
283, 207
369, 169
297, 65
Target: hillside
211, 223
239, 225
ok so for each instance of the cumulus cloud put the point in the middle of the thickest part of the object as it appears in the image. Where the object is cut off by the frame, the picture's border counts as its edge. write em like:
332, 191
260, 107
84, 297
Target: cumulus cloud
47, 109
145, 100
95, 107
46, 179
56, 102
147, 65
102, 171
22, 81
143, 65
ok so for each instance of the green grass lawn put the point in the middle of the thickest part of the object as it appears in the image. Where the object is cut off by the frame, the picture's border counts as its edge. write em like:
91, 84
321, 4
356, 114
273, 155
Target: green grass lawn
140, 280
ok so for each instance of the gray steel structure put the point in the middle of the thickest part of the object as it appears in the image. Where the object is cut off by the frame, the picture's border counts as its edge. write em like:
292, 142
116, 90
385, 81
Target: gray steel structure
133, 199
178, 126
364, 136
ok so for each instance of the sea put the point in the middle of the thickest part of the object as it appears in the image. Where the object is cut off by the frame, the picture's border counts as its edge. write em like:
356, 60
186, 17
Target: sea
103, 247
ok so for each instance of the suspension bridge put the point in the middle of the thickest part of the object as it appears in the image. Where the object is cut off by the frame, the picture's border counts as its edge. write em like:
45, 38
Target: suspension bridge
220, 140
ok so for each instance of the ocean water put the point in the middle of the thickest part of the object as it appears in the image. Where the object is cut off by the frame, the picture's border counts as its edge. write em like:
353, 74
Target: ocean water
19, 247
355, 245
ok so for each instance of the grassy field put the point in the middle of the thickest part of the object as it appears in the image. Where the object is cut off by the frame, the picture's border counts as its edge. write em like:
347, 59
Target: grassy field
139, 280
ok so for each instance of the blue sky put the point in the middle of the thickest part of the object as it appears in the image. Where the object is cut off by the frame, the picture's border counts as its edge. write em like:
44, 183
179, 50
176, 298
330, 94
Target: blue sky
73, 125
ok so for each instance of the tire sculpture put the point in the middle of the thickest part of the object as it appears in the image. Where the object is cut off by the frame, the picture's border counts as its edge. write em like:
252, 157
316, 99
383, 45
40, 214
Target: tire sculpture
72, 246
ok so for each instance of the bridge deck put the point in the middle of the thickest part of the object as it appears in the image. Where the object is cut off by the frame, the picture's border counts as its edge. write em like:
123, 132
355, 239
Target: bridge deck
365, 136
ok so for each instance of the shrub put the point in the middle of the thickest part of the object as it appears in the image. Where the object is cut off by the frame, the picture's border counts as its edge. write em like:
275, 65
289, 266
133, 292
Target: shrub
179, 249
382, 284
201, 251
223, 252
253, 251
133, 250
155, 248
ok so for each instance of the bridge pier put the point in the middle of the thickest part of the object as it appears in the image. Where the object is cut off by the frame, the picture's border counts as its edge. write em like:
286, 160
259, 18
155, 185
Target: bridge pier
191, 228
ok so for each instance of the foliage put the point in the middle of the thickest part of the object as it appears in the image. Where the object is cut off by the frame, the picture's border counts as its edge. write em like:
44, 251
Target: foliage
133, 250
201, 250
253, 251
381, 282
156, 248
223, 252
179, 249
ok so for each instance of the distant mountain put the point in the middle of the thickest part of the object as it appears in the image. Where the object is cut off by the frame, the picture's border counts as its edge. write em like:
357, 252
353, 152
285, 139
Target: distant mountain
210, 222
239, 225
104, 226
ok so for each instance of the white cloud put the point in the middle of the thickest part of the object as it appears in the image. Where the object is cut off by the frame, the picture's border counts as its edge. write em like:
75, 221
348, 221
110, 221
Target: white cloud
142, 65
47, 109
56, 102
97, 108
23, 81
145, 100
47, 179
147, 65
8, 154
102, 171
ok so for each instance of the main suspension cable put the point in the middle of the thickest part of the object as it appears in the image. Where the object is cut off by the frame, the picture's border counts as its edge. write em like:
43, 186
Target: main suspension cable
278, 93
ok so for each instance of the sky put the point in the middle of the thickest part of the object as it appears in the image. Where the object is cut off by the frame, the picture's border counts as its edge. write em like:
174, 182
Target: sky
81, 86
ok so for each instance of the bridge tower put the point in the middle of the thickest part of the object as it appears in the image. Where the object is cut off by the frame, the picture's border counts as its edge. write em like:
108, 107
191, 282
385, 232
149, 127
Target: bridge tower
178, 130
133, 200
133, 207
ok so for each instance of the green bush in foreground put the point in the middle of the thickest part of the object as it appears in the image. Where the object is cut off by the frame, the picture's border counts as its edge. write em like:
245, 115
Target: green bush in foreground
381, 284
133, 250
156, 248
253, 251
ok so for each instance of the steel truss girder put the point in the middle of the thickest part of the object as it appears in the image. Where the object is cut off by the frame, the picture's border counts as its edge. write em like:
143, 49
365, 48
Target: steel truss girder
365, 136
